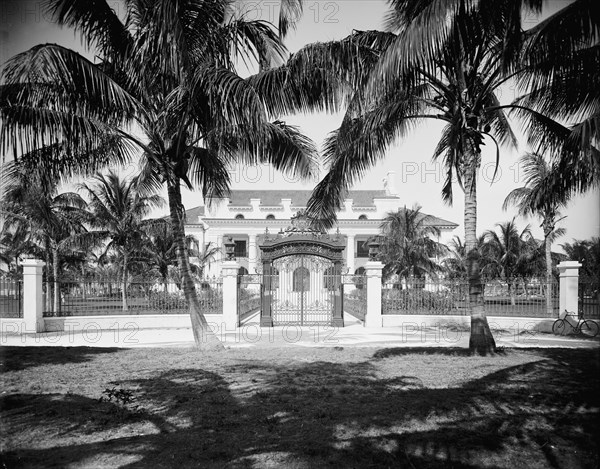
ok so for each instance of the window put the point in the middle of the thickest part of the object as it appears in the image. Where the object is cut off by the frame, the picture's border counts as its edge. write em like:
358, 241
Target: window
240, 249
239, 216
270, 216
362, 248
363, 217
241, 272
301, 279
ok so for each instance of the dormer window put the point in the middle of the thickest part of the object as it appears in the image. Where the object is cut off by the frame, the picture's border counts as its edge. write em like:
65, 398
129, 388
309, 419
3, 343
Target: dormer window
239, 216
363, 217
270, 216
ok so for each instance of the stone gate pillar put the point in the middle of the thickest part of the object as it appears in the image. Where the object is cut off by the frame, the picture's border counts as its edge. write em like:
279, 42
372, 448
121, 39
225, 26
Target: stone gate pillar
338, 314
569, 286
229, 271
374, 270
33, 304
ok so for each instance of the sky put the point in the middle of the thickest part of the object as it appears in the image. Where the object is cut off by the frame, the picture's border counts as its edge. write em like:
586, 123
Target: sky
418, 180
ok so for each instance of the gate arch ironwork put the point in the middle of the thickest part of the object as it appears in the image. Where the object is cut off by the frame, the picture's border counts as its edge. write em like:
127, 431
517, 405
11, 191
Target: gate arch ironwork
301, 270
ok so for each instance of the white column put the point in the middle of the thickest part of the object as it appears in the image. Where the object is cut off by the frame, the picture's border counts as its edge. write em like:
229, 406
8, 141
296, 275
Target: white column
373, 317
569, 286
32, 295
350, 253
252, 253
229, 271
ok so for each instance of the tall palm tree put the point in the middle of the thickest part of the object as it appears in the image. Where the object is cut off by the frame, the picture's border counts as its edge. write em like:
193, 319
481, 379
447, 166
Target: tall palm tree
166, 73
457, 88
119, 207
538, 198
408, 247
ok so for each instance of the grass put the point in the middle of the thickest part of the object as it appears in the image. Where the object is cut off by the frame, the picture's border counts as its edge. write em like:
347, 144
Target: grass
299, 407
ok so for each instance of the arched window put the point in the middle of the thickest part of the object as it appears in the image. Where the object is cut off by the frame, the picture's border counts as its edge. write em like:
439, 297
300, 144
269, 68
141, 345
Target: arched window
241, 272
239, 216
301, 279
363, 217
329, 278
270, 216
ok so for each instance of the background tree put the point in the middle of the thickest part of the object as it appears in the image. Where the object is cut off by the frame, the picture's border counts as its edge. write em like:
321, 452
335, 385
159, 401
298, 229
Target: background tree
31, 202
408, 247
509, 254
538, 198
119, 207
14, 242
587, 252
167, 73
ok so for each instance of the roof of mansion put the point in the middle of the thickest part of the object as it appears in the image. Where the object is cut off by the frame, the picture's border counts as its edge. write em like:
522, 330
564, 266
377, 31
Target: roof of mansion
299, 198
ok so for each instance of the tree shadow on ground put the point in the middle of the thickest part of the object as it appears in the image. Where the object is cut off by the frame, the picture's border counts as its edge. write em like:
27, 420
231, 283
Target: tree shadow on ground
448, 351
324, 414
14, 358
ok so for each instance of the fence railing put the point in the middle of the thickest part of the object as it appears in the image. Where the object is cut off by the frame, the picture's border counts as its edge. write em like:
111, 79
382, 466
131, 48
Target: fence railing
519, 299
104, 296
11, 297
589, 299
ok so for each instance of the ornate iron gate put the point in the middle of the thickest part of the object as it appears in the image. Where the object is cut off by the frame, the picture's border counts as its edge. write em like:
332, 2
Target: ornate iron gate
302, 290
301, 270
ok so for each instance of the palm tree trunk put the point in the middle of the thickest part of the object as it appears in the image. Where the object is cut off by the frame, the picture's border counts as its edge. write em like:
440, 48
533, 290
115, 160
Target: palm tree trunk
511, 292
481, 340
203, 336
548, 249
124, 280
55, 265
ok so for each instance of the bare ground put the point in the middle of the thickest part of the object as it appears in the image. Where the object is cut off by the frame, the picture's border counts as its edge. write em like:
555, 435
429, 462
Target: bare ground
299, 408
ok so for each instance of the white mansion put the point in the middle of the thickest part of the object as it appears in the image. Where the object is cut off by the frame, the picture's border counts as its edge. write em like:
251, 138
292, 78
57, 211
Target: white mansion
246, 214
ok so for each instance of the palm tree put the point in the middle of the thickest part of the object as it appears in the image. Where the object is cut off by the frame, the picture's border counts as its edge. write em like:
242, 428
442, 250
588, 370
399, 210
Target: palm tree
407, 245
166, 73
119, 207
31, 201
457, 88
539, 198
509, 253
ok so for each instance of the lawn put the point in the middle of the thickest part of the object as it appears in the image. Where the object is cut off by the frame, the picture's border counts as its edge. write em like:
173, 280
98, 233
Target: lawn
299, 407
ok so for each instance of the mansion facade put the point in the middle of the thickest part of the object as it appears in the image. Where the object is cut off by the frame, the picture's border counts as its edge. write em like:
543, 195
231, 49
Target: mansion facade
246, 215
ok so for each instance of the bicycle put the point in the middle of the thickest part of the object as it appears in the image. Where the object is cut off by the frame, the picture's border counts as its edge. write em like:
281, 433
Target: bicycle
584, 327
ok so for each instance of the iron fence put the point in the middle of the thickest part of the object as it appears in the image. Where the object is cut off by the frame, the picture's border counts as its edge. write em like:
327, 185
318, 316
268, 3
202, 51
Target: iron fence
354, 295
11, 297
589, 299
106, 296
444, 297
